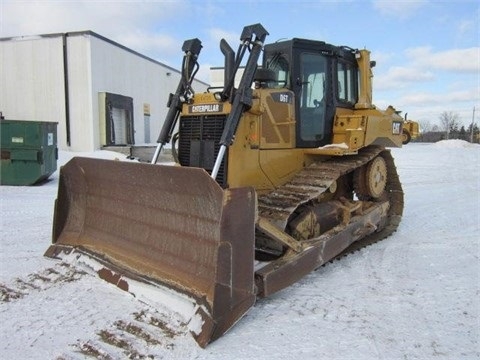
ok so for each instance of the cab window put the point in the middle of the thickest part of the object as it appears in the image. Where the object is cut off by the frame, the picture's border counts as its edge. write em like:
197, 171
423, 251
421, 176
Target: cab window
347, 83
280, 65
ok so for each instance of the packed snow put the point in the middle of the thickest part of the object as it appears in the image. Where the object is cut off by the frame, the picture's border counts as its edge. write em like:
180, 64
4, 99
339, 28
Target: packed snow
414, 295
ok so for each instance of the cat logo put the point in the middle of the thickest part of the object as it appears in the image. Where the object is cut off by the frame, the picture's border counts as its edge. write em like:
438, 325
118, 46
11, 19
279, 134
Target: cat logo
205, 108
396, 128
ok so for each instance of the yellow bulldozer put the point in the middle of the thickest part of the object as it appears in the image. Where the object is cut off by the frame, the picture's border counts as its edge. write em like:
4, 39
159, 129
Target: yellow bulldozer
278, 175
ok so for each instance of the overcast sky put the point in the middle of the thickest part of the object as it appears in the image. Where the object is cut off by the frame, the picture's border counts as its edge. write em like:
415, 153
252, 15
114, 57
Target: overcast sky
427, 52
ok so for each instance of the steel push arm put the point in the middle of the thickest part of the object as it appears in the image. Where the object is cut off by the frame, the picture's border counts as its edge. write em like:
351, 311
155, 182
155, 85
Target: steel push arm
242, 99
184, 92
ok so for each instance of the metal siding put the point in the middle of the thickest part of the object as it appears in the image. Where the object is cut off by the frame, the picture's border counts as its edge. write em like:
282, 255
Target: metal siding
32, 78
31, 74
121, 72
217, 76
84, 136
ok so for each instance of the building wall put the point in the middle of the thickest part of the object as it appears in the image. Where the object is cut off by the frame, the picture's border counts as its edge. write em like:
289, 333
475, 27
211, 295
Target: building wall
124, 73
218, 73
33, 87
82, 134
31, 78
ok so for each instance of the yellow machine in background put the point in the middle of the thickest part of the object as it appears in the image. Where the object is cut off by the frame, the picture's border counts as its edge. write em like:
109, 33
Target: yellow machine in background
411, 130
288, 170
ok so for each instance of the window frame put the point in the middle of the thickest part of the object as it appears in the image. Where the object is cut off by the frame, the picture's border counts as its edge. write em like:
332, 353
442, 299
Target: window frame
347, 83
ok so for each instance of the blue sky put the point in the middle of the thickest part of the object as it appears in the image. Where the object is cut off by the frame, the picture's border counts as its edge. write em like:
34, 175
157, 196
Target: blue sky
427, 52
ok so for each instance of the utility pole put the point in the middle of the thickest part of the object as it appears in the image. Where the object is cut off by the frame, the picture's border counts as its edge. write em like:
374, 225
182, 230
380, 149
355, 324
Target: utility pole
473, 122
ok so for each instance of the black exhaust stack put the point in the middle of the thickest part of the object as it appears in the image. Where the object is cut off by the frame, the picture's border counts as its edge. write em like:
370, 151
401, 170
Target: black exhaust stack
229, 71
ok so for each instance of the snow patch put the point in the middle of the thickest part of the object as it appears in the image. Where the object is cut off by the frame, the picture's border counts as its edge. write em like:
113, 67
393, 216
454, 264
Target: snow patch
335, 146
66, 156
455, 144
354, 308
181, 307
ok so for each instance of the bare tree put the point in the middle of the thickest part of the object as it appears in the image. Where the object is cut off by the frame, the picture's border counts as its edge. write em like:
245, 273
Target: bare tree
449, 120
425, 126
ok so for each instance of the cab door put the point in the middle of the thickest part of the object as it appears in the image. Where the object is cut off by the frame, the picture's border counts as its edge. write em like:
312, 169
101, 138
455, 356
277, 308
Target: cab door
310, 86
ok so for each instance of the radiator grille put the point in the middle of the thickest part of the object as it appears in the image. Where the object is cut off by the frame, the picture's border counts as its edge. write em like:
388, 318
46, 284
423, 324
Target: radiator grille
198, 143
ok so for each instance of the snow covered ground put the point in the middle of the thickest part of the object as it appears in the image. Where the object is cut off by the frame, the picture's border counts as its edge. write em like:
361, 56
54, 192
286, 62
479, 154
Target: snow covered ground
415, 295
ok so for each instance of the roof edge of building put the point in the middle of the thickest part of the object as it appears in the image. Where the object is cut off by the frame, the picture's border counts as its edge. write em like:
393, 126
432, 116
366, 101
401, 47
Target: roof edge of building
94, 34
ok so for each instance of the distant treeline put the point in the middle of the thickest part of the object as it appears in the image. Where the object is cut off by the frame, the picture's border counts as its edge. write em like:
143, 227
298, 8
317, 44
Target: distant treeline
455, 133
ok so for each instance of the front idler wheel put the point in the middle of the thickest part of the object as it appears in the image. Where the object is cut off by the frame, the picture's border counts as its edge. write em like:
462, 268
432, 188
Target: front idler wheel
371, 179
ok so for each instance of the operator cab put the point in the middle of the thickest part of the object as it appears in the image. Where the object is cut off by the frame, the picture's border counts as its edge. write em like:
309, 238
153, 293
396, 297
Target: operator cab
323, 78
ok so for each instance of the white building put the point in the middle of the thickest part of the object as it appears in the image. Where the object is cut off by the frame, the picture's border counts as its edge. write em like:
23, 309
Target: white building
217, 75
99, 92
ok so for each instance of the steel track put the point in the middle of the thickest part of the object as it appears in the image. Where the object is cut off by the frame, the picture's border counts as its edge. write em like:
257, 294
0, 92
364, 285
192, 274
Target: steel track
310, 183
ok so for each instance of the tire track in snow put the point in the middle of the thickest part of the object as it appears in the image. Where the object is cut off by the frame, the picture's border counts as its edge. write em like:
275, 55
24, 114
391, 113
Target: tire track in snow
39, 281
142, 335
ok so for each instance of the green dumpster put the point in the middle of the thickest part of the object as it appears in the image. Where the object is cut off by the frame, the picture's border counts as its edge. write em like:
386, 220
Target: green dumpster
28, 151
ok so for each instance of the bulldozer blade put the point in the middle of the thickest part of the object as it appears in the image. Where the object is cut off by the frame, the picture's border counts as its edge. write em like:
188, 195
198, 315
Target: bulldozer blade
171, 226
